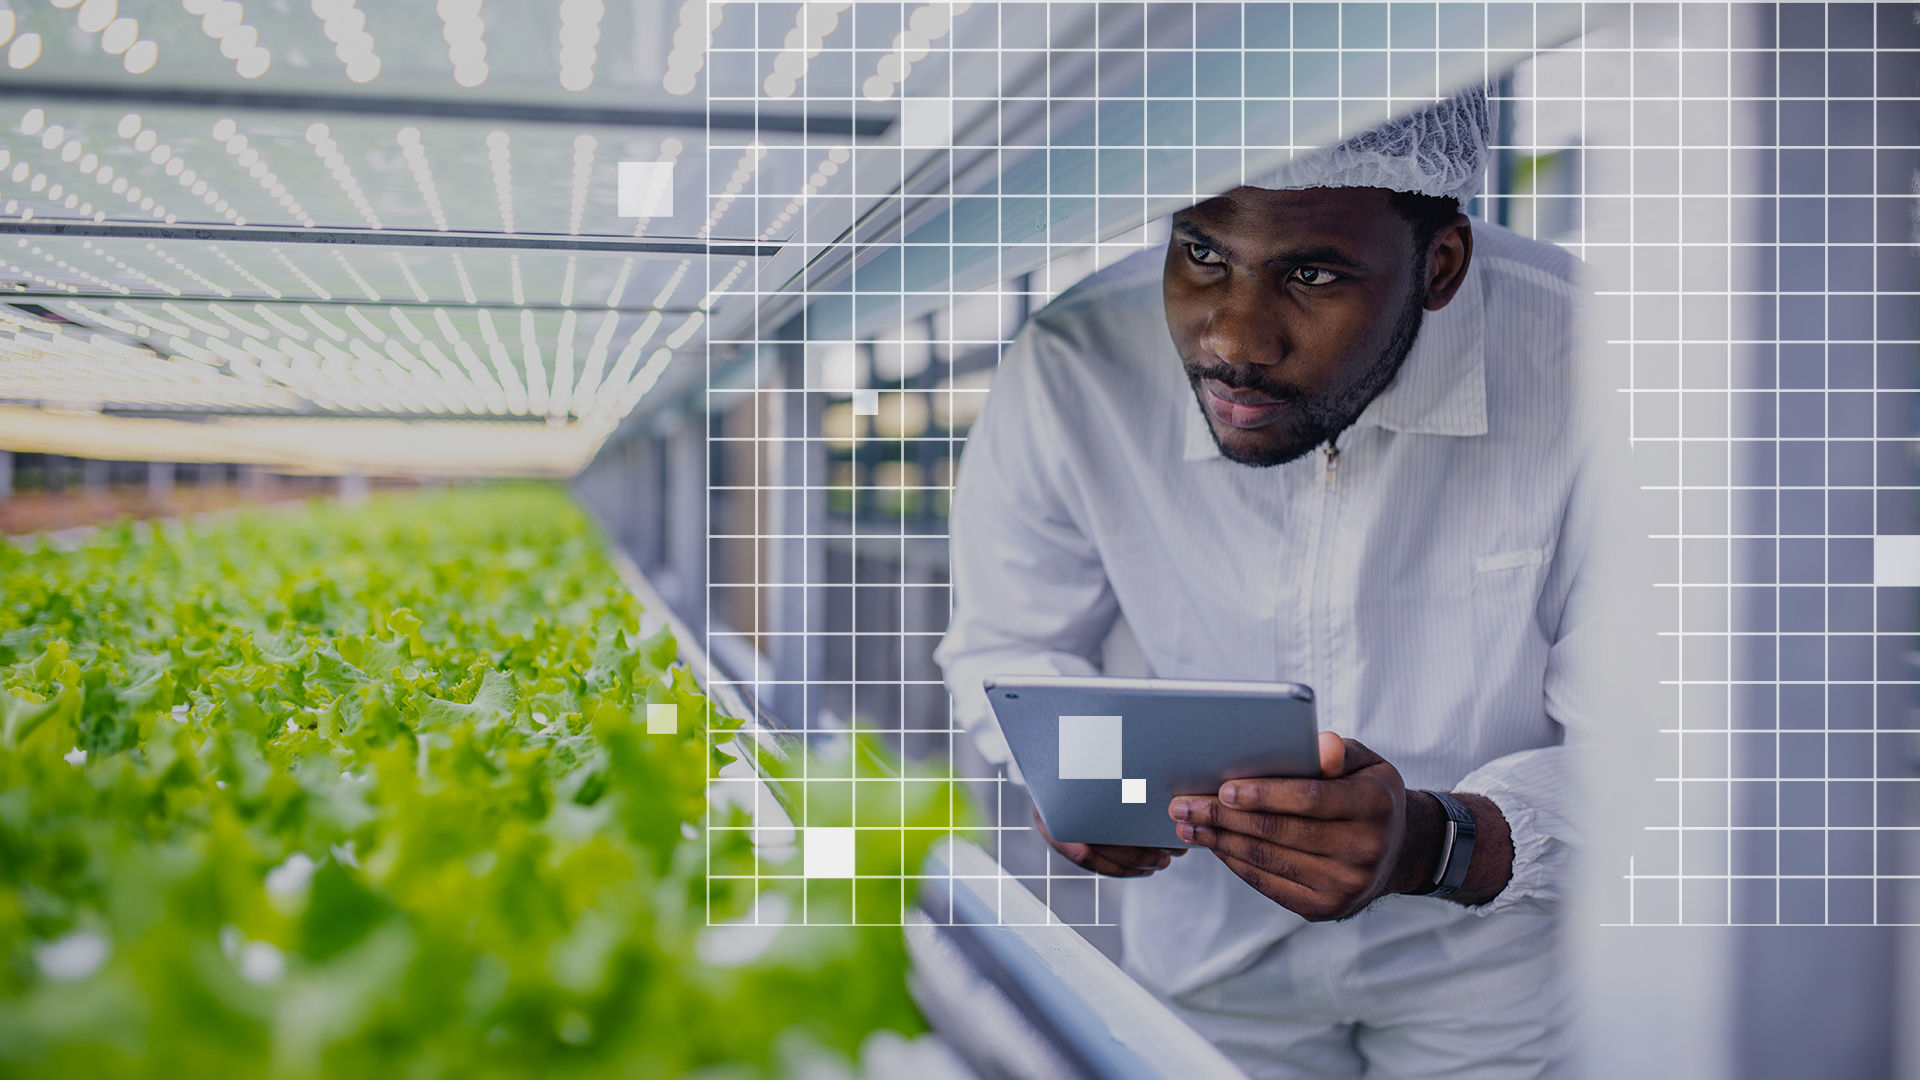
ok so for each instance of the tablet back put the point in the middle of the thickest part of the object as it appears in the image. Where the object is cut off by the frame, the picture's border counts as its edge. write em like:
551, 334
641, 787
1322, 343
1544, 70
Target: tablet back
1103, 757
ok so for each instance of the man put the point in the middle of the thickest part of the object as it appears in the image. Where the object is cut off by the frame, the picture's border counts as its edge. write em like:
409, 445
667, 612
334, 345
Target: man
1325, 439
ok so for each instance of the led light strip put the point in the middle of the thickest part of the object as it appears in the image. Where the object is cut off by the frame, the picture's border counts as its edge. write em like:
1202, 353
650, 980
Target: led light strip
579, 33
415, 152
244, 272
613, 390
811, 25
148, 141
596, 364
53, 137
98, 370
928, 24
698, 20
562, 395
118, 36
583, 147
22, 51
221, 20
36, 183
345, 26
609, 392
313, 286
187, 270
535, 364
366, 289
121, 326
466, 283
822, 175
490, 389
499, 157
151, 320
670, 151
134, 271
51, 283
320, 137
69, 268
413, 283
466, 40
228, 133
742, 172
620, 283
503, 365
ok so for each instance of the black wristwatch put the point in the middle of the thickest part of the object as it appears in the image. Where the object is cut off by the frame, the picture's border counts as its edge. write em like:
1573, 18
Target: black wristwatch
1456, 847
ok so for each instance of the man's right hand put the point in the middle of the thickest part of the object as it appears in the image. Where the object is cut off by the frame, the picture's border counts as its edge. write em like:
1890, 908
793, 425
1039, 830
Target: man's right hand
1113, 860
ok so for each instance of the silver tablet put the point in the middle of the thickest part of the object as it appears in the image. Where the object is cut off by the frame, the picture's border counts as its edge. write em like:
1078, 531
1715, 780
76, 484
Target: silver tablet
1103, 757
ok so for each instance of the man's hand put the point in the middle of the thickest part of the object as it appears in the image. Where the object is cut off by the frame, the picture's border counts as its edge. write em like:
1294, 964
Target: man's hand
1113, 860
1323, 848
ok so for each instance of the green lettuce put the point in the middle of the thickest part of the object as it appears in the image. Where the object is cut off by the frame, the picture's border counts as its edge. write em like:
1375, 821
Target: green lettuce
369, 791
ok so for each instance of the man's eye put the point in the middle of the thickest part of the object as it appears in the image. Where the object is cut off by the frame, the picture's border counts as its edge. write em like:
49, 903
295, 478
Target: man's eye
1204, 255
1313, 275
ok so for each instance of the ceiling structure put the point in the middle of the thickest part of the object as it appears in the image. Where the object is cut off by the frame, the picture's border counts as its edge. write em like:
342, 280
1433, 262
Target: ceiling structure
408, 214
262, 229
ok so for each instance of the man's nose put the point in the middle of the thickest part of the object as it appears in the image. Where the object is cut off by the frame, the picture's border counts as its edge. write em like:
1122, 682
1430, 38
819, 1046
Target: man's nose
1243, 331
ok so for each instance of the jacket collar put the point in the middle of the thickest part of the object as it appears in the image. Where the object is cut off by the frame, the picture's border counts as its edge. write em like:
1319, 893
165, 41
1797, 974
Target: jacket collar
1441, 389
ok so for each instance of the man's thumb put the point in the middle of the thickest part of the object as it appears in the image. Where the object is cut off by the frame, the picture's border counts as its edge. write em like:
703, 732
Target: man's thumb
1339, 756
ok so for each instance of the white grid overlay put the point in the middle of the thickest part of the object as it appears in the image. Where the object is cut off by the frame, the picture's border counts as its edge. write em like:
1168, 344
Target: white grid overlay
1653, 125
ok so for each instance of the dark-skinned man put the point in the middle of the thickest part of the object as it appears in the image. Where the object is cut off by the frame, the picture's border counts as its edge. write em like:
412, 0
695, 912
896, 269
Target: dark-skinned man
1324, 437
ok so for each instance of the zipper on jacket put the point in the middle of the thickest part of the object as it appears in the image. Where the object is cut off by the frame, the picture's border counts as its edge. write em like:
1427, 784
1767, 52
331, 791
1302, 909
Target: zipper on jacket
1333, 462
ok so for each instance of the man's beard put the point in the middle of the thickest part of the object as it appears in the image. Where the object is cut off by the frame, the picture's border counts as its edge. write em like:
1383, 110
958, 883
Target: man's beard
1309, 420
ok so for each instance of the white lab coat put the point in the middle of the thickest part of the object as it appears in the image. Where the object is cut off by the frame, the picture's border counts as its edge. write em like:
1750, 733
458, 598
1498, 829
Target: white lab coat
1428, 590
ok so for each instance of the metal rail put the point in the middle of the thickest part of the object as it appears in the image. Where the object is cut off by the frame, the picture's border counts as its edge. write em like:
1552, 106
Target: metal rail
9, 296
695, 116
422, 238
1010, 988
1095, 1020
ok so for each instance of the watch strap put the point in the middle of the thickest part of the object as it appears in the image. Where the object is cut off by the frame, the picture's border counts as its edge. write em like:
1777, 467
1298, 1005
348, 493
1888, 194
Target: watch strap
1456, 846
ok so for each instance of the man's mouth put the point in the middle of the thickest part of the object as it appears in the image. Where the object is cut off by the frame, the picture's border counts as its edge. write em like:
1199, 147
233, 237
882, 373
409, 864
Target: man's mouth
1238, 407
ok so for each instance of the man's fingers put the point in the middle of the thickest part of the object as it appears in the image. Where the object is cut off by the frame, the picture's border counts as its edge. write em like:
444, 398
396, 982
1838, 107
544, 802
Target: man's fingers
1286, 862
1328, 800
1301, 833
1103, 860
1289, 894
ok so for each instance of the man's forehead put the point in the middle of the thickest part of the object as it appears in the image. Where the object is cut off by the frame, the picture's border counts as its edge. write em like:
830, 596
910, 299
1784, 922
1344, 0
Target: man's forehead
1256, 217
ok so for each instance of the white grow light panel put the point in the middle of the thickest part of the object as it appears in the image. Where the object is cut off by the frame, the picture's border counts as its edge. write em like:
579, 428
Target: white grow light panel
404, 212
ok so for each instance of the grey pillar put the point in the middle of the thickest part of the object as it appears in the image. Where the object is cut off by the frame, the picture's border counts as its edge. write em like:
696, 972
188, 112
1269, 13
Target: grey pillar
685, 519
159, 481
6, 475
797, 556
353, 488
1821, 998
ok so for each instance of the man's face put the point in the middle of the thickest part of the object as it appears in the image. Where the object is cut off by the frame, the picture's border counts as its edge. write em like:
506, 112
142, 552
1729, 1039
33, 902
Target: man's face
1291, 310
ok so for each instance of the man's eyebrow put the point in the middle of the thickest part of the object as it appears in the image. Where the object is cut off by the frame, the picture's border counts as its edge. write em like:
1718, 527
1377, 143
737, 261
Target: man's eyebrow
1323, 255
1200, 236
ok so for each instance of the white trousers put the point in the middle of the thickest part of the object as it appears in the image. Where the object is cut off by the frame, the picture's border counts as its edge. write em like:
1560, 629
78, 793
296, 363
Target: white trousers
1480, 997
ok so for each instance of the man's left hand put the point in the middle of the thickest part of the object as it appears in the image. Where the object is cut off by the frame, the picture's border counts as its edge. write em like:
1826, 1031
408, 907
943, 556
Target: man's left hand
1324, 848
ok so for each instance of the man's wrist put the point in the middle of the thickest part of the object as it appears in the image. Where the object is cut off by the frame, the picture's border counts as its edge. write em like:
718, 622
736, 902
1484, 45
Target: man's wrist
1419, 843
1492, 865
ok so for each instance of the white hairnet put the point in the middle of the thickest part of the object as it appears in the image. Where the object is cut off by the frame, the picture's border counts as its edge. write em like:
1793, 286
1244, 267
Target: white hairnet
1440, 150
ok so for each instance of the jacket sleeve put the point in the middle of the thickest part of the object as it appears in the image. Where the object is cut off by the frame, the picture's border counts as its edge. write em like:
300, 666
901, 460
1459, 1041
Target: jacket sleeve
1537, 790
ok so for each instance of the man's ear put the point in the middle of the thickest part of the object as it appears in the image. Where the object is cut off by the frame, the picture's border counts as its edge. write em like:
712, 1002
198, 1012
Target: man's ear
1447, 261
